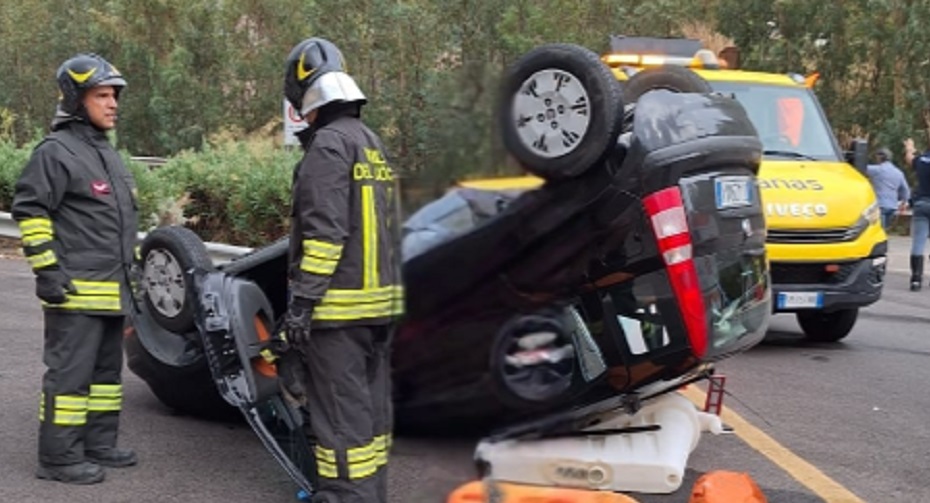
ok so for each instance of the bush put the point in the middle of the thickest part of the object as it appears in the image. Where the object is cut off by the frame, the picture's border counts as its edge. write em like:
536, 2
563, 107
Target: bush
12, 161
235, 192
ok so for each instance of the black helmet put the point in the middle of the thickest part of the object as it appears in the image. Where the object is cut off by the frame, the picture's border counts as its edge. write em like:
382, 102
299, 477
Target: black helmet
82, 72
307, 62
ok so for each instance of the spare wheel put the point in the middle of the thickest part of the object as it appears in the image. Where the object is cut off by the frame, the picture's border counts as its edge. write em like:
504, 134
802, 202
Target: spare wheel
560, 110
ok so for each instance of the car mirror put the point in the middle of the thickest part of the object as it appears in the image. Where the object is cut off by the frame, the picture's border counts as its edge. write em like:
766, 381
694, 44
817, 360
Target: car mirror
858, 154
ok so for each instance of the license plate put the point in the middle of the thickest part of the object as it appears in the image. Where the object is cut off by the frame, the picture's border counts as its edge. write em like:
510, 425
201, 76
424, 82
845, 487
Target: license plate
800, 300
733, 192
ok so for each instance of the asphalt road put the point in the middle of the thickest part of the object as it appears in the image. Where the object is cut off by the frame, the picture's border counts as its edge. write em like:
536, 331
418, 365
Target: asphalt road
849, 420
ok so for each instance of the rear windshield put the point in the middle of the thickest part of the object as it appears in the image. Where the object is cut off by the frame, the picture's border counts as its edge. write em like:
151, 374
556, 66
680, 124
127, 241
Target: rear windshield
789, 121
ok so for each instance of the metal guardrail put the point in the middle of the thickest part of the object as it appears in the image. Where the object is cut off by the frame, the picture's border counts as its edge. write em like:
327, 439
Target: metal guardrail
219, 252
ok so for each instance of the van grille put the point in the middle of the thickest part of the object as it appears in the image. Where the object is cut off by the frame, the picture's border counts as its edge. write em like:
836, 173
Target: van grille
811, 274
814, 236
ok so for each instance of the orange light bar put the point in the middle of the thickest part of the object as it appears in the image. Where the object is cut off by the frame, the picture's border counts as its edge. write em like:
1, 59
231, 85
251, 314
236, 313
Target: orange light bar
622, 59
699, 61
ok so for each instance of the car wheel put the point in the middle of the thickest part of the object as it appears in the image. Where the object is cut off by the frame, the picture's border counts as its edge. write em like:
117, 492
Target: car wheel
533, 361
672, 78
561, 110
175, 368
168, 253
819, 326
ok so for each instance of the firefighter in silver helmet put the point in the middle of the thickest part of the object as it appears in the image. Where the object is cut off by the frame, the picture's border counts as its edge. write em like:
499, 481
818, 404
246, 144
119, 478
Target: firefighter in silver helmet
344, 276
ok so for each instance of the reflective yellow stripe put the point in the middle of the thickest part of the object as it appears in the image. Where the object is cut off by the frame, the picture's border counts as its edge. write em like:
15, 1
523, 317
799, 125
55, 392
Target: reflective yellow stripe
104, 404
362, 470
36, 225
353, 312
106, 390
365, 303
105, 397
369, 238
324, 454
43, 259
91, 303
71, 402
318, 266
322, 249
42, 407
381, 445
36, 239
137, 252
327, 470
70, 410
101, 288
359, 454
362, 296
326, 462
70, 418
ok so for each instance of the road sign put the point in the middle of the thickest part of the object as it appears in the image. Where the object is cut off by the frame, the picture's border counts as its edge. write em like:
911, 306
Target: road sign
293, 124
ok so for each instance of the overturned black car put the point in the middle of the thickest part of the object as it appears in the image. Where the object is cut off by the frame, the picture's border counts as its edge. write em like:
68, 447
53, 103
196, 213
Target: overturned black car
635, 262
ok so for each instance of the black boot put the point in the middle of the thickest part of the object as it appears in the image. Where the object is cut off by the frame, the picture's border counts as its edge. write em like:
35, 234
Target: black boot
917, 272
80, 473
113, 457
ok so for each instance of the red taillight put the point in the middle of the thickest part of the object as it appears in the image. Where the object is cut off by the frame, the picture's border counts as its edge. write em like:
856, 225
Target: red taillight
670, 223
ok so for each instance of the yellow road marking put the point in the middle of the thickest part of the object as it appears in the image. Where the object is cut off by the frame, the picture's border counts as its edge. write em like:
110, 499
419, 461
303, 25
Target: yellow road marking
804, 472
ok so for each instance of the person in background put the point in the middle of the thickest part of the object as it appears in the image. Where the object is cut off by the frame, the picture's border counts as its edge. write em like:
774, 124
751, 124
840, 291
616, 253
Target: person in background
344, 276
76, 209
920, 210
890, 186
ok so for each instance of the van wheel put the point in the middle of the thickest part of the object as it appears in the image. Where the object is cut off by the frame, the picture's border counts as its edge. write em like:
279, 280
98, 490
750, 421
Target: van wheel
561, 109
168, 253
677, 79
819, 326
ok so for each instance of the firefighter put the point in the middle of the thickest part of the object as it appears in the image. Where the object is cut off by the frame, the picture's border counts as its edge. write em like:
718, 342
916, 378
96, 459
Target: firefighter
344, 276
76, 209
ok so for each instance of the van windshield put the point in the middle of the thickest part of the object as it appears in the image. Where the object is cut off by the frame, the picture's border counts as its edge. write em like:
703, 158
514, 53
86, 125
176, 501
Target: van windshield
789, 121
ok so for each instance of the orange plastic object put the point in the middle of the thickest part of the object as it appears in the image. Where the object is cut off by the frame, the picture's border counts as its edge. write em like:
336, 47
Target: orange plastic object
475, 492
726, 487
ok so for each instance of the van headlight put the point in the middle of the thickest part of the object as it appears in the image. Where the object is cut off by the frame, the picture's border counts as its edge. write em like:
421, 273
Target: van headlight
872, 214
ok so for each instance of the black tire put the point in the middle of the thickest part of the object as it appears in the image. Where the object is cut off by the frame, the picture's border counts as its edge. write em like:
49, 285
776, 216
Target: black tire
532, 385
819, 326
672, 78
168, 253
175, 369
565, 89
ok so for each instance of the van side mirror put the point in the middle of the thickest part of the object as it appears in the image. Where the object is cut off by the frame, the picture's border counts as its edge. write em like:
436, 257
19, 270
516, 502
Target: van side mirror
858, 154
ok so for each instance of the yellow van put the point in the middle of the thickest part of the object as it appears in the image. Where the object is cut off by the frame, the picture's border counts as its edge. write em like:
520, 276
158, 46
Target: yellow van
825, 242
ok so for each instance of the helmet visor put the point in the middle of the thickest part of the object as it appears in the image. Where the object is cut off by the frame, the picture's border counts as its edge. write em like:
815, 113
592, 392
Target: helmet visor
330, 87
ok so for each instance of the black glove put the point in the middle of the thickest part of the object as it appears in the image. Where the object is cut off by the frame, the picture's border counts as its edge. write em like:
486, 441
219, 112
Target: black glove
297, 320
52, 284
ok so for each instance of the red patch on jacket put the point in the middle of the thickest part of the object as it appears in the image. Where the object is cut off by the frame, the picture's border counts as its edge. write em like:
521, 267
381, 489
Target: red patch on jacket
99, 188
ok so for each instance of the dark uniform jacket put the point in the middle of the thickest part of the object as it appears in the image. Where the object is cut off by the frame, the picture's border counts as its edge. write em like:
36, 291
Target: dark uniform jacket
344, 246
75, 203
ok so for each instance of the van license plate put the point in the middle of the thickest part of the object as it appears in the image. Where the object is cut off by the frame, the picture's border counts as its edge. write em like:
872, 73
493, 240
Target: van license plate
733, 191
800, 300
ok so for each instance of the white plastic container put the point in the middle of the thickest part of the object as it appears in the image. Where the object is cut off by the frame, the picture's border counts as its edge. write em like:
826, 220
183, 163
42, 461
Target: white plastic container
646, 462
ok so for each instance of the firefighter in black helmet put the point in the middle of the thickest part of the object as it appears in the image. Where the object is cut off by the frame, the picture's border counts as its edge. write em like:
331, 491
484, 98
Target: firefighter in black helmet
76, 209
345, 278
